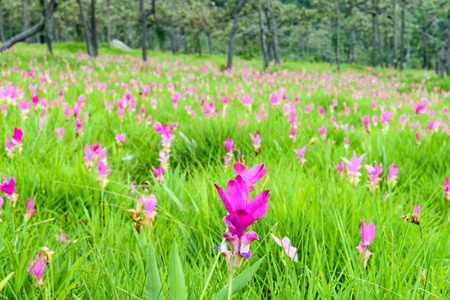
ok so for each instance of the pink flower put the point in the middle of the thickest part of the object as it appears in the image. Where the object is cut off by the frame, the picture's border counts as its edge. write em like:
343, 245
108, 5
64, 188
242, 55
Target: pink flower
353, 167
256, 142
36, 269
374, 172
59, 133
293, 134
323, 131
8, 187
346, 143
366, 122
79, 126
241, 123
159, 173
301, 155
340, 168
30, 210
417, 138
446, 188
120, 139
164, 159
285, 243
392, 176
250, 176
102, 173
367, 236
229, 146
149, 203
226, 160
62, 238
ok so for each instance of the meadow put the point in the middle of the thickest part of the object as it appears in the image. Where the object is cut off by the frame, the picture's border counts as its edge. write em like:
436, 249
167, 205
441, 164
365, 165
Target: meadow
175, 126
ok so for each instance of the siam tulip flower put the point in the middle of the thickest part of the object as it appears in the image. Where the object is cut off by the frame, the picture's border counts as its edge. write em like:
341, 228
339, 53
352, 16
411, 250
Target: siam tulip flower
79, 126
241, 123
8, 187
1, 204
153, 104
374, 172
226, 161
366, 122
446, 188
301, 155
62, 238
256, 142
285, 243
167, 142
148, 121
321, 112
417, 138
353, 167
229, 146
120, 139
323, 131
149, 203
133, 187
250, 176
293, 134
24, 109
415, 216
159, 173
392, 176
340, 168
346, 143
36, 269
30, 210
367, 236
242, 213
375, 120
164, 159
102, 173
41, 124
402, 121
59, 133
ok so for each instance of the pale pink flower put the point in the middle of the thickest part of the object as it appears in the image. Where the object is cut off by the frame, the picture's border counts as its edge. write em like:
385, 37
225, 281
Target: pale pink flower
323, 131
374, 173
301, 155
30, 210
392, 176
159, 173
256, 142
59, 133
367, 237
353, 167
285, 243
120, 139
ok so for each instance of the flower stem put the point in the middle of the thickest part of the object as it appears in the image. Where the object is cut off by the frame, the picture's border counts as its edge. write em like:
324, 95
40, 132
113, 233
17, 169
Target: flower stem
230, 285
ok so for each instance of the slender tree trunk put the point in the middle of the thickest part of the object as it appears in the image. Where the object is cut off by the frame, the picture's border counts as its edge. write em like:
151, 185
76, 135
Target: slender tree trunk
208, 36
172, 32
94, 30
380, 45
402, 37
394, 31
26, 18
408, 45
237, 9
446, 51
2, 33
143, 16
275, 34
46, 14
86, 28
199, 45
108, 22
194, 44
269, 44
374, 36
436, 62
424, 39
185, 39
262, 36
338, 36
353, 57
331, 41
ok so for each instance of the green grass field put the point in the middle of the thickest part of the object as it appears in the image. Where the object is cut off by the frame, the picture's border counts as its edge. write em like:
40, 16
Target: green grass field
318, 210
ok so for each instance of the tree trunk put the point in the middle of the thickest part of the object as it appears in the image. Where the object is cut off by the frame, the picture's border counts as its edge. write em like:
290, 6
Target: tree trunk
26, 19
208, 36
263, 36
194, 45
424, 39
275, 34
46, 14
199, 45
394, 31
338, 36
86, 28
172, 32
108, 22
402, 37
353, 40
94, 30
2, 33
143, 16
185, 39
237, 9
374, 39
379, 40
408, 46
331, 41
270, 54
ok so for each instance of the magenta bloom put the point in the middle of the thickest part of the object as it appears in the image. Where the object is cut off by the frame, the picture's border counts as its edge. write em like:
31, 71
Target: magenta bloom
285, 243
367, 236
301, 155
17, 135
353, 167
102, 173
340, 168
242, 212
346, 143
120, 139
229, 146
149, 203
446, 188
30, 209
59, 133
374, 172
250, 176
366, 122
159, 173
256, 141
164, 159
36, 269
323, 131
392, 176
8, 186
164, 130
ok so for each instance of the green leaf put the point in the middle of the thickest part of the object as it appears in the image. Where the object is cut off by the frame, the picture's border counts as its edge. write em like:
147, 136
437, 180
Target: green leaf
177, 285
153, 281
172, 195
4, 281
240, 281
